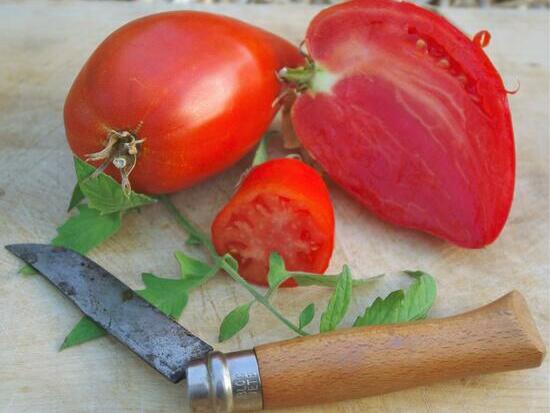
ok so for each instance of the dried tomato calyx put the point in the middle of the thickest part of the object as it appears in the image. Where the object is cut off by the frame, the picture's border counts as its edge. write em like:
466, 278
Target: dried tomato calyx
121, 149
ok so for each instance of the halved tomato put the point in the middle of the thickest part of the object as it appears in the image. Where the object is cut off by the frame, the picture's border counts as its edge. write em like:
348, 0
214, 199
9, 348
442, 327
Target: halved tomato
409, 116
281, 206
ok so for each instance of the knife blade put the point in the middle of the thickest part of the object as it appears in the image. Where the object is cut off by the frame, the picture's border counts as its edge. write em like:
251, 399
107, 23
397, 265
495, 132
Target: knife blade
160, 341
329, 367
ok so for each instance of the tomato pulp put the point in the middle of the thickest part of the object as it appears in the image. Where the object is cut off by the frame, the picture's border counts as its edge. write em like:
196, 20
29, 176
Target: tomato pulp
409, 116
183, 95
281, 206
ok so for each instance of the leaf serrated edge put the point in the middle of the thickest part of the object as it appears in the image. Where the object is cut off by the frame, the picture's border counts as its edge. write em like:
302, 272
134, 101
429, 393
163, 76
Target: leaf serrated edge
338, 303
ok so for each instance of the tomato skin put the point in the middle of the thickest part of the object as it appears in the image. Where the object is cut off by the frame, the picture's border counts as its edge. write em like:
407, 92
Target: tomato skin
416, 124
197, 87
307, 208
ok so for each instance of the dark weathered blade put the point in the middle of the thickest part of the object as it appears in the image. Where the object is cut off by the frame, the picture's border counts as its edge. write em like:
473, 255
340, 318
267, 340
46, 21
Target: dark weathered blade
156, 338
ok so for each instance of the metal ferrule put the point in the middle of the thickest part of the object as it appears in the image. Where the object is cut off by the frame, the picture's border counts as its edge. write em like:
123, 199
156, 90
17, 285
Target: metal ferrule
224, 383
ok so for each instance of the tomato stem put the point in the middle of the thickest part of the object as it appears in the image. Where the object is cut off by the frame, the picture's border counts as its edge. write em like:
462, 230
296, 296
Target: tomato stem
221, 263
189, 227
301, 76
311, 76
121, 150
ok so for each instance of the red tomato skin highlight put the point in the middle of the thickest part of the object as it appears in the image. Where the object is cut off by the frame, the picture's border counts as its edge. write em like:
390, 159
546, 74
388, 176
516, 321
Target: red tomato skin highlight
416, 126
197, 87
300, 186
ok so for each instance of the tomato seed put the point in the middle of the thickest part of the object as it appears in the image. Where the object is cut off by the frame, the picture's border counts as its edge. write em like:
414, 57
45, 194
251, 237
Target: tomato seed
444, 63
421, 44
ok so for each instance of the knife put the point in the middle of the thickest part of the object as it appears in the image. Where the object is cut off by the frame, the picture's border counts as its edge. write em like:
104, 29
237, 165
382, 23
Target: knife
343, 364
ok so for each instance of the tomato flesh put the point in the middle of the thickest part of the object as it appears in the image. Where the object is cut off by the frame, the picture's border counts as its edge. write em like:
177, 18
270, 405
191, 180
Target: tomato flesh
197, 88
269, 215
285, 227
411, 118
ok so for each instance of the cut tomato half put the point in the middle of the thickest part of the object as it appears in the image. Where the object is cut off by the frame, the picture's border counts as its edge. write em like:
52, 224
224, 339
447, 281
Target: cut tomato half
410, 117
282, 206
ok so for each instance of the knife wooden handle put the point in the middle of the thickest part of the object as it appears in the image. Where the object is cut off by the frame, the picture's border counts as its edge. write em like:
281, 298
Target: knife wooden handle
365, 361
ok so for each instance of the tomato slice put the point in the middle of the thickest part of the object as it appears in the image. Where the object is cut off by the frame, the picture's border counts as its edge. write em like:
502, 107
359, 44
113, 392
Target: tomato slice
282, 206
411, 118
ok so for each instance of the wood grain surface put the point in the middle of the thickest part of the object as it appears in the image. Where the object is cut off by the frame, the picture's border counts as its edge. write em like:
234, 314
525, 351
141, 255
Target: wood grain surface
43, 45
367, 361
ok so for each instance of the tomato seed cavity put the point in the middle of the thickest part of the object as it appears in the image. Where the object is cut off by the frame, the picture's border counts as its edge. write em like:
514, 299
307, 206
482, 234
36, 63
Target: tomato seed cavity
443, 60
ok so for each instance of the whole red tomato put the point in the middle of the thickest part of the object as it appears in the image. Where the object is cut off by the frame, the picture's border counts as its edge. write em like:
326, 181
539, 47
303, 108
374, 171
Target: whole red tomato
410, 117
182, 95
281, 206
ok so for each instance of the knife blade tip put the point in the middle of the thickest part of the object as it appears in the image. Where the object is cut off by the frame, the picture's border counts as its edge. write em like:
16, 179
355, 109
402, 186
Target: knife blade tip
30, 252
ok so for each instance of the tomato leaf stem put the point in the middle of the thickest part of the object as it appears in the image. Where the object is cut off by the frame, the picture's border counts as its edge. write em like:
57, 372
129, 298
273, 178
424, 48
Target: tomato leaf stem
304, 279
259, 297
195, 233
227, 264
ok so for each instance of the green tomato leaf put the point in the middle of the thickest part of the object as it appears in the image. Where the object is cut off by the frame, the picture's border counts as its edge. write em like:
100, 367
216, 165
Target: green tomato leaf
167, 294
381, 310
277, 272
191, 267
82, 169
84, 231
261, 152
85, 330
402, 306
234, 322
420, 296
76, 198
306, 315
338, 303
27, 270
104, 193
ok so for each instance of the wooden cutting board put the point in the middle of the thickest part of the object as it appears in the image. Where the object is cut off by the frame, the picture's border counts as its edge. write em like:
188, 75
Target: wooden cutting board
43, 45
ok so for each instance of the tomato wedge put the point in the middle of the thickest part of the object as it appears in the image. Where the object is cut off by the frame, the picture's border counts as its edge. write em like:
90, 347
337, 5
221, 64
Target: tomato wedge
175, 97
409, 116
281, 206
